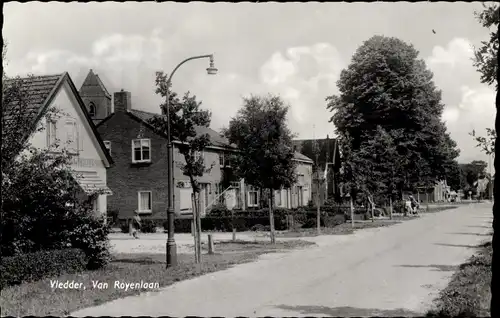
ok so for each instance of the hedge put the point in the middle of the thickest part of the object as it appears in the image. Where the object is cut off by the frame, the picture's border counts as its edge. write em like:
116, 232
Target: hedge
38, 265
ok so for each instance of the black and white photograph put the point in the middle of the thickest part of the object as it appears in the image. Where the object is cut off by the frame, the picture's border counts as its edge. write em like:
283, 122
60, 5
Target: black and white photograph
250, 159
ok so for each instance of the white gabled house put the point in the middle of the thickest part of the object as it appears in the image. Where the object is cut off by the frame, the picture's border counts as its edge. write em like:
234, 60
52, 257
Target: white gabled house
73, 130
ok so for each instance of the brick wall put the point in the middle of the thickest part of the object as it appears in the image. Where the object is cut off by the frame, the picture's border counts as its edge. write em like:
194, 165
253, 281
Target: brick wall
125, 178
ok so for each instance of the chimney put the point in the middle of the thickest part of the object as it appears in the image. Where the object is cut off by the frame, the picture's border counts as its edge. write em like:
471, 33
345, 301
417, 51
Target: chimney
122, 101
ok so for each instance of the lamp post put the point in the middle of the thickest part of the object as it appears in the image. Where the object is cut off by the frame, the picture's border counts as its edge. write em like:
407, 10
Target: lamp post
171, 246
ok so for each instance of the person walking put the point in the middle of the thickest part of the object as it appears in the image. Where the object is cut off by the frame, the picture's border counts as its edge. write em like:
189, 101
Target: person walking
414, 205
136, 225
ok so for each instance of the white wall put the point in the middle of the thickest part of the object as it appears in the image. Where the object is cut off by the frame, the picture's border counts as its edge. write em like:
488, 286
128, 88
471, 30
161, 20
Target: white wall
90, 155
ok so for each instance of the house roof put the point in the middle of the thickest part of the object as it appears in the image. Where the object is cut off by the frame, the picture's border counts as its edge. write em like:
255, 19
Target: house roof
39, 92
298, 156
216, 138
328, 149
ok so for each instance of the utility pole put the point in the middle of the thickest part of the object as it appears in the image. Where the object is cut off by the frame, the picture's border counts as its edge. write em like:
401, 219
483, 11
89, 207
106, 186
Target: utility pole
318, 215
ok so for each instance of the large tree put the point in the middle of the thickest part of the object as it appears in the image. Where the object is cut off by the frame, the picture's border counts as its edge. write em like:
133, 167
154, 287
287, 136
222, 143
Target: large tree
387, 93
186, 117
265, 157
486, 61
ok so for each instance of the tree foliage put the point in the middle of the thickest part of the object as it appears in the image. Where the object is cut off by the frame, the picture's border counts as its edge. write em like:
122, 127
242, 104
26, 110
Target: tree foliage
486, 144
485, 57
387, 97
486, 62
186, 117
260, 132
265, 157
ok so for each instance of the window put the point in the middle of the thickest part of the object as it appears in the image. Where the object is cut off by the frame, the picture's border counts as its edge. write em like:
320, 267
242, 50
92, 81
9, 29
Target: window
300, 179
253, 198
224, 160
107, 144
277, 195
198, 155
92, 110
221, 159
51, 132
141, 150
145, 199
71, 135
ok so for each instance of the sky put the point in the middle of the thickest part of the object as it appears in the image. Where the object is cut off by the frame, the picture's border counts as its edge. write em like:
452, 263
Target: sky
296, 50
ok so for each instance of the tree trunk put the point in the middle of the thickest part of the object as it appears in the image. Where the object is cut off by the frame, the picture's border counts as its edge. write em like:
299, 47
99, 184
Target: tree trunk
195, 228
318, 215
271, 218
198, 225
390, 207
352, 212
495, 261
371, 204
232, 225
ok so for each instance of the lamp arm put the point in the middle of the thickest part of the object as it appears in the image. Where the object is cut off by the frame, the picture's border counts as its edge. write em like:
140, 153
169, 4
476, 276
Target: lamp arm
186, 60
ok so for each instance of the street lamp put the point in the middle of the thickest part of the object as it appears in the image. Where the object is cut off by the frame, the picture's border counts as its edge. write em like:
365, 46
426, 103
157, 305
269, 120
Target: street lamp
171, 246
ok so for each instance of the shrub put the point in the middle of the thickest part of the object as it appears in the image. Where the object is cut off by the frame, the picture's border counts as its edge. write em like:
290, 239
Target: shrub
334, 220
38, 265
312, 223
45, 209
124, 225
113, 216
148, 226
219, 210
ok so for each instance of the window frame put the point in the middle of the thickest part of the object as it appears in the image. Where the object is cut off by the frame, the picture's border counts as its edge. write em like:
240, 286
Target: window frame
92, 110
71, 123
51, 132
277, 194
249, 203
134, 160
150, 202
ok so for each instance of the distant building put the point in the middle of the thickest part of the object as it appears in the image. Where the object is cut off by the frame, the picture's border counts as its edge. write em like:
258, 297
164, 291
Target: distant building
327, 167
96, 97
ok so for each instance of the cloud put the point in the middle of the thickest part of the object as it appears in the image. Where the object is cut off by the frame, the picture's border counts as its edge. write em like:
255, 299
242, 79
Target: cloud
469, 104
304, 76
456, 53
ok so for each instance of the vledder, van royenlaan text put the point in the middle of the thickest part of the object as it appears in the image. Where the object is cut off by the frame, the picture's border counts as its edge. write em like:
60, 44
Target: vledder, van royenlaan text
95, 284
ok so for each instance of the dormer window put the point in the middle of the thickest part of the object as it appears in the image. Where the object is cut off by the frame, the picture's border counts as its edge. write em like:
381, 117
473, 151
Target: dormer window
92, 110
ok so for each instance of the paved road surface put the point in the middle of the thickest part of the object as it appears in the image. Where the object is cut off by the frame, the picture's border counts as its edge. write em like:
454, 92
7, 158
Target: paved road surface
393, 271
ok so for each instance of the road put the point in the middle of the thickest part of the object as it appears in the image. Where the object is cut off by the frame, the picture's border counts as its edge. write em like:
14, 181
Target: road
392, 271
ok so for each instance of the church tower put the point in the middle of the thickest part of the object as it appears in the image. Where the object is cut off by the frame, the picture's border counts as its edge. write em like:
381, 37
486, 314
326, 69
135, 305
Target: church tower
96, 97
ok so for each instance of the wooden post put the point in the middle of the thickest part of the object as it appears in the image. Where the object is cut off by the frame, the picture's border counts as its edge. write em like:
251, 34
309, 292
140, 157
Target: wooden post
198, 224
352, 213
271, 218
427, 199
211, 248
390, 208
318, 215
232, 225
195, 229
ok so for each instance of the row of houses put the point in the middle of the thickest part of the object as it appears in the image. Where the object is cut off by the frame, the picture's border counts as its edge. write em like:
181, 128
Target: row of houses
116, 150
